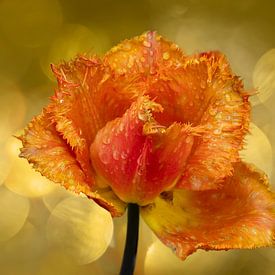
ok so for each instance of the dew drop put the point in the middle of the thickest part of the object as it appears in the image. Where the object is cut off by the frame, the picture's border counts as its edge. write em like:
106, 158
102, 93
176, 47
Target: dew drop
166, 55
217, 131
174, 47
124, 155
61, 101
146, 44
121, 127
104, 157
142, 59
203, 85
106, 140
116, 155
218, 115
212, 111
140, 172
228, 97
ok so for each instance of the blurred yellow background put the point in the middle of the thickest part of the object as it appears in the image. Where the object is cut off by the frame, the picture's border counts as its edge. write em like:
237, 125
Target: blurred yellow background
47, 230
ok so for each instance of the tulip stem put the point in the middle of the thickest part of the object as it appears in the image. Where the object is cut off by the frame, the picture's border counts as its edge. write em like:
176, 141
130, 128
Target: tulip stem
130, 250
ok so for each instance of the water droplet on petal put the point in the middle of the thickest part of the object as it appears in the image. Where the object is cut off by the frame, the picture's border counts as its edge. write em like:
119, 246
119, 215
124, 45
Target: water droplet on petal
217, 131
203, 85
142, 59
212, 111
124, 155
228, 97
146, 44
174, 47
104, 157
116, 155
166, 55
106, 140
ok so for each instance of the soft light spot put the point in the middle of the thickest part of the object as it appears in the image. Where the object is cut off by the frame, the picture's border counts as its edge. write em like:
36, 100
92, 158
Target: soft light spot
56, 196
24, 181
14, 210
81, 228
258, 149
264, 75
74, 39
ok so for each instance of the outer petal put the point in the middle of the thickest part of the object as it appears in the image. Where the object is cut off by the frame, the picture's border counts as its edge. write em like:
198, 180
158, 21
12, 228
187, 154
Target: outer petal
135, 155
214, 98
74, 107
241, 215
52, 157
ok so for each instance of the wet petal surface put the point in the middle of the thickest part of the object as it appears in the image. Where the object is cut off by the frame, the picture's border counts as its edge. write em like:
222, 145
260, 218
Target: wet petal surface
240, 215
50, 155
135, 155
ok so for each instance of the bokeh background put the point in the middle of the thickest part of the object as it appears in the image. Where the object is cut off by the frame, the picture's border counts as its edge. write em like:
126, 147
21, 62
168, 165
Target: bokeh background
47, 230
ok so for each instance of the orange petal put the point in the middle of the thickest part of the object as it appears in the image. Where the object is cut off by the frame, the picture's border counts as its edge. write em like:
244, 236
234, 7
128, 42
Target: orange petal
85, 85
143, 54
213, 98
52, 157
200, 90
136, 156
136, 64
240, 215
75, 106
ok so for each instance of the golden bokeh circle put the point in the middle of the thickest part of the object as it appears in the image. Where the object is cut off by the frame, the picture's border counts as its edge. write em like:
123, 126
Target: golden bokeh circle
14, 211
81, 228
22, 178
258, 149
74, 39
264, 75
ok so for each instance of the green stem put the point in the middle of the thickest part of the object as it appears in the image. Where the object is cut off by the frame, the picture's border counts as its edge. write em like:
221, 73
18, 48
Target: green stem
130, 250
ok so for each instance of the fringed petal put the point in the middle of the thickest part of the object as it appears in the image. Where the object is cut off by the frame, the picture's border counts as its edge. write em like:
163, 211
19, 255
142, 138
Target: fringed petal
144, 54
240, 215
213, 98
50, 155
76, 106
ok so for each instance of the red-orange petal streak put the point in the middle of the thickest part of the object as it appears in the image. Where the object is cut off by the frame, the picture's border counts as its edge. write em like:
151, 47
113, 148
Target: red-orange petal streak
240, 215
136, 156
50, 155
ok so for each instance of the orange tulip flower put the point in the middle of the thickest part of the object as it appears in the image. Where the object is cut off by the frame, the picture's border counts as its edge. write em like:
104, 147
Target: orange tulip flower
147, 124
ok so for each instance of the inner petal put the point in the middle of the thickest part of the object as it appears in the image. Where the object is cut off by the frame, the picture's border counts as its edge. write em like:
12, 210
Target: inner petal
135, 155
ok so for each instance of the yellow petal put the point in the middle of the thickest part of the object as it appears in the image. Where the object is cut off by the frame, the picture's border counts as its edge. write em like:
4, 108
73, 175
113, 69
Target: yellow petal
240, 215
